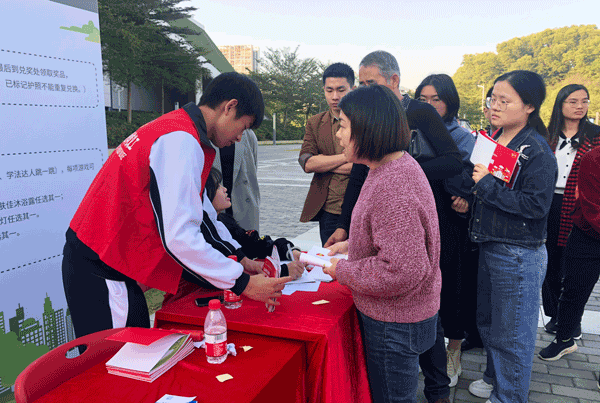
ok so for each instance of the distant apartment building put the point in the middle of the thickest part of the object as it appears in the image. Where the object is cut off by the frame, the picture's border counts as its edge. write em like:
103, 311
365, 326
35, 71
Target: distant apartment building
2, 325
241, 57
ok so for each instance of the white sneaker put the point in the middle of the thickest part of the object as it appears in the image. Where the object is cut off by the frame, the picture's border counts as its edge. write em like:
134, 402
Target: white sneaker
454, 367
481, 389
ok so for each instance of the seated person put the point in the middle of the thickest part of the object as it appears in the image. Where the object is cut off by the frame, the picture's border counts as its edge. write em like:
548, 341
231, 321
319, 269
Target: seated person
251, 244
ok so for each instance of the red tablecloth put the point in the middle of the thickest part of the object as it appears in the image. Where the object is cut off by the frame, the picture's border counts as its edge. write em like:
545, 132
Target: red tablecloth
336, 370
273, 371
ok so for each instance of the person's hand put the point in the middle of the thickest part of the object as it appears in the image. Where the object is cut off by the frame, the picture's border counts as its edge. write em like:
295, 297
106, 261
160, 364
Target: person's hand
340, 247
331, 269
295, 269
479, 172
251, 266
296, 254
459, 204
265, 289
339, 235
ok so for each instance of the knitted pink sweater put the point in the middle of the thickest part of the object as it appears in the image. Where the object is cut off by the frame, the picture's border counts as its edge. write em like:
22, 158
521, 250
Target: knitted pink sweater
394, 246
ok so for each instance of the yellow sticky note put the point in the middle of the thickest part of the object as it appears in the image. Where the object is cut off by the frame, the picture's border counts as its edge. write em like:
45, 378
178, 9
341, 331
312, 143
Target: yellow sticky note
321, 302
224, 377
246, 348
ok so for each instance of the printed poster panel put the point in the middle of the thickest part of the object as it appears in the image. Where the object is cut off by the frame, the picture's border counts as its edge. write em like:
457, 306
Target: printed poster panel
52, 144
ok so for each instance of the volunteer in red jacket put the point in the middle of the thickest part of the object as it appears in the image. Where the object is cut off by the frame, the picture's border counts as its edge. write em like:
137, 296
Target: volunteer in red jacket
139, 221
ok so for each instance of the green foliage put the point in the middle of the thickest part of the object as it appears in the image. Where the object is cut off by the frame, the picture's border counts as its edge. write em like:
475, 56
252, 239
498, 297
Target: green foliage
559, 55
117, 128
16, 356
292, 88
140, 47
154, 299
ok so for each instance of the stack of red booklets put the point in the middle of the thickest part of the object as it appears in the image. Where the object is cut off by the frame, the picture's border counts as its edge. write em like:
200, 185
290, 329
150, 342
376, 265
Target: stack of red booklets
148, 353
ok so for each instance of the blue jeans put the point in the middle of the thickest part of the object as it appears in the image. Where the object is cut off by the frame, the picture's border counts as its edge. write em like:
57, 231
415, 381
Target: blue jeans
508, 300
392, 352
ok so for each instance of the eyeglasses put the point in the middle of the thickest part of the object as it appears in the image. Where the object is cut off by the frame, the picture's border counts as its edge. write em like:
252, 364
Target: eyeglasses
502, 104
574, 103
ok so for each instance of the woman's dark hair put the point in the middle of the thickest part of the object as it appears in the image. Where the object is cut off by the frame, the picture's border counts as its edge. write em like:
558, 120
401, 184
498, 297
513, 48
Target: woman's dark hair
532, 91
377, 121
228, 86
557, 120
212, 183
446, 90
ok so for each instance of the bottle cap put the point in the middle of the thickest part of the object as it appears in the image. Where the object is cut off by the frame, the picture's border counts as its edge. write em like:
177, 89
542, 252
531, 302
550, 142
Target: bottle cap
214, 304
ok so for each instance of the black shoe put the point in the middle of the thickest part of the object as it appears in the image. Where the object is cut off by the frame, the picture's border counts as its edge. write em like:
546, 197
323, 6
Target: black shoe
577, 332
551, 327
557, 349
468, 344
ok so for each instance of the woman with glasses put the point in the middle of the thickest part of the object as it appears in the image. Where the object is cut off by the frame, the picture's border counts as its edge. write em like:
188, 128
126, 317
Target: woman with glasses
509, 223
571, 137
458, 263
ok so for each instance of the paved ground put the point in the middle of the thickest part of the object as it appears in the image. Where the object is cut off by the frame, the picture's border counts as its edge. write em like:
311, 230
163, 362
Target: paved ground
283, 188
572, 379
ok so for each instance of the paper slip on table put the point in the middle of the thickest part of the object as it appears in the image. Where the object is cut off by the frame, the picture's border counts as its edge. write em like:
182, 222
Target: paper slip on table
272, 371
335, 366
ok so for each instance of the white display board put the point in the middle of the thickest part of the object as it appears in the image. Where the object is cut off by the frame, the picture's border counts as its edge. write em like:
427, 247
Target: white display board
52, 144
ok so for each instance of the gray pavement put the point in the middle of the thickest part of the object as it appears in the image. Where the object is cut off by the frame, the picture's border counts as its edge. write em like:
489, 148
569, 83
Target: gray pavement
283, 188
572, 379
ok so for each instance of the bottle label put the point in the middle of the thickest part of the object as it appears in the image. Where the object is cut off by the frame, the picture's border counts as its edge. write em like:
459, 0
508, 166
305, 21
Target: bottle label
230, 296
216, 344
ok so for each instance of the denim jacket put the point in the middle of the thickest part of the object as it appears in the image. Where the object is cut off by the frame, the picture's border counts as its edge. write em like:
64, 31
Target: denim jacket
517, 215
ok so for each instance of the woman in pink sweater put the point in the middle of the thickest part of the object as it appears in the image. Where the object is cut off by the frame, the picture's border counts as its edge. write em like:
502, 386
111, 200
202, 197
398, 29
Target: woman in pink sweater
394, 244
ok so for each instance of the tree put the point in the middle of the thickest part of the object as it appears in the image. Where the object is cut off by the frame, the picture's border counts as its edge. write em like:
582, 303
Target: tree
140, 47
291, 88
559, 55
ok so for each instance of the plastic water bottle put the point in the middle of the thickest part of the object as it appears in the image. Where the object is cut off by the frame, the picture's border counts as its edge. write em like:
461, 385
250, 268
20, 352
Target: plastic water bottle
230, 299
215, 333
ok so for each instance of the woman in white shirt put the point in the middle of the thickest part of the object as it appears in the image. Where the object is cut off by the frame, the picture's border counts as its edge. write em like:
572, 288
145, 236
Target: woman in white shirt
571, 136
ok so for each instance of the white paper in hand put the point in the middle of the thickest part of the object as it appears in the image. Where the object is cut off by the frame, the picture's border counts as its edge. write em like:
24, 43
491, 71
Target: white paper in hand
316, 252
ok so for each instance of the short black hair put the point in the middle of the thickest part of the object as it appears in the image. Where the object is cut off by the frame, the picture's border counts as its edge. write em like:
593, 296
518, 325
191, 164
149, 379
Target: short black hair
377, 121
339, 70
446, 90
228, 86
212, 183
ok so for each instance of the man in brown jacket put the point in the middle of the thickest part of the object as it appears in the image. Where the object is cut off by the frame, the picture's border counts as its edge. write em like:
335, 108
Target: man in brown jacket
322, 154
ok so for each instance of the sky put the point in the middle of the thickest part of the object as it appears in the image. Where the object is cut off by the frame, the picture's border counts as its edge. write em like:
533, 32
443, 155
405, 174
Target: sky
427, 36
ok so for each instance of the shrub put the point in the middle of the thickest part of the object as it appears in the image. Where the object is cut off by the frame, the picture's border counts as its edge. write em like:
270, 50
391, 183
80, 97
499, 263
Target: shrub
117, 128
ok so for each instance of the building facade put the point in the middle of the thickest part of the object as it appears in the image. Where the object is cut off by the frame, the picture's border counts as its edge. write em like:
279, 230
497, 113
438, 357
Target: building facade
243, 58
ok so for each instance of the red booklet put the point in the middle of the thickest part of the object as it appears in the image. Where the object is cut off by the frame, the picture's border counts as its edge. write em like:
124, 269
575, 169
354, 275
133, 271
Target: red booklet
501, 161
140, 335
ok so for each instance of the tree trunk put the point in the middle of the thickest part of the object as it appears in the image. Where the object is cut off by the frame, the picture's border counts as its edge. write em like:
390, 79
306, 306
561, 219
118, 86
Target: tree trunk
129, 114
